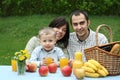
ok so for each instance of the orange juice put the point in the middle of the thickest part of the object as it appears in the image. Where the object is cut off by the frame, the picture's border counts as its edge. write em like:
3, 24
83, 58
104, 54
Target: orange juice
14, 65
48, 60
63, 62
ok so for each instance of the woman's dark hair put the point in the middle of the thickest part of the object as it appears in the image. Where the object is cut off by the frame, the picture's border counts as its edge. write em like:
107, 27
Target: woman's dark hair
57, 23
77, 13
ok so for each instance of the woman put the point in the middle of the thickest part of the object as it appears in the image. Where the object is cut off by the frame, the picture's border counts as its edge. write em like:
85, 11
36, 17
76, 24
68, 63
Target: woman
61, 27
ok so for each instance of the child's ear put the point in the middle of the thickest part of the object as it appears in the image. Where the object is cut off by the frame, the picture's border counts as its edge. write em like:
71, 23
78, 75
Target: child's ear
40, 41
55, 41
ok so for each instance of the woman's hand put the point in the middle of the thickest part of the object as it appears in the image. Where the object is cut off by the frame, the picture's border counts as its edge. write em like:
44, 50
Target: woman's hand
70, 63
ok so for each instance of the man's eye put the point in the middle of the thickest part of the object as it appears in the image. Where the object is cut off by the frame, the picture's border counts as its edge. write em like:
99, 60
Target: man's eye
75, 24
83, 22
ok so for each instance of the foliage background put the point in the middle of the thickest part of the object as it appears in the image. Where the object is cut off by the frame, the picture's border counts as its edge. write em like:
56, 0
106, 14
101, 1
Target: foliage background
29, 7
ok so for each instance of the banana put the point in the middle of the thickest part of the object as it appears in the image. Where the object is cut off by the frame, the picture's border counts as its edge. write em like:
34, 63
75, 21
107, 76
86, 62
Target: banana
96, 63
93, 75
88, 69
91, 65
101, 72
105, 70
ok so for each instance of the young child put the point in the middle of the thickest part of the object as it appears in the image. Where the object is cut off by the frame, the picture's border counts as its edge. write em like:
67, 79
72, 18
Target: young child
47, 48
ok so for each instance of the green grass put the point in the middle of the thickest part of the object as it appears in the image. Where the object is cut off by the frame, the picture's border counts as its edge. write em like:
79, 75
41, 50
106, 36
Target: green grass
15, 31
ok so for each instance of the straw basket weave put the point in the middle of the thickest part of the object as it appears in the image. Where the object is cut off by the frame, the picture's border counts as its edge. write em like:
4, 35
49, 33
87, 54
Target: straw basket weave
101, 53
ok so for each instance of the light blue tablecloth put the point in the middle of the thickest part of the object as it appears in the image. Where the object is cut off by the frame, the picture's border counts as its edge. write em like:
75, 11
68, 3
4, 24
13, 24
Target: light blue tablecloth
7, 74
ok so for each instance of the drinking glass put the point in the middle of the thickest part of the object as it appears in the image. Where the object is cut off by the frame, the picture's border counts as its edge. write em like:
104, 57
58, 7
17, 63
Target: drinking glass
14, 64
48, 60
63, 62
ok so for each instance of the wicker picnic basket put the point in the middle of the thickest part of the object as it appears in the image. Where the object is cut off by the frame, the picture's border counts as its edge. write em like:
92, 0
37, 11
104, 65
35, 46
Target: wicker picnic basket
102, 54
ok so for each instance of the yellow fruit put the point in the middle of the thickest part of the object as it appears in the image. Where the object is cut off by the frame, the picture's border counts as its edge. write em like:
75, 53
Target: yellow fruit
78, 56
77, 64
105, 70
79, 73
88, 69
96, 63
93, 75
101, 72
91, 65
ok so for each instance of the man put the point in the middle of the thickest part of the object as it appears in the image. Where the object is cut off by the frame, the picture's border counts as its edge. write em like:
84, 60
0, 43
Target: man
83, 37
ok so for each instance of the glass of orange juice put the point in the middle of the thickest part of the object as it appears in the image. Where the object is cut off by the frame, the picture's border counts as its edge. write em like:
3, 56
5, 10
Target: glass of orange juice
14, 64
48, 60
63, 62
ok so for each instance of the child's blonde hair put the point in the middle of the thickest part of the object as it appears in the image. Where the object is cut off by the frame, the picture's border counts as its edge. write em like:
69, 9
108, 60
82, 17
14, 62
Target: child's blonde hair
47, 31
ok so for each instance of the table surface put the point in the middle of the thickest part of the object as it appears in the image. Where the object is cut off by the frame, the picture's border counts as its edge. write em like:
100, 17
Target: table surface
7, 74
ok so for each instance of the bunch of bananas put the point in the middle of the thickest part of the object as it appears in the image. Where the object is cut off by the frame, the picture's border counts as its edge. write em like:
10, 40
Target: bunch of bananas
94, 69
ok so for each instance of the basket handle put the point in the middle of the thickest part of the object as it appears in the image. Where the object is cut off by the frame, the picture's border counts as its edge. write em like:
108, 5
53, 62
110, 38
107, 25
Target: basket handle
97, 30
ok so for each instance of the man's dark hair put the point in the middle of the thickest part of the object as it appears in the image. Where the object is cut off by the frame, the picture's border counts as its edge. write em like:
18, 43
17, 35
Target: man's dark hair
78, 12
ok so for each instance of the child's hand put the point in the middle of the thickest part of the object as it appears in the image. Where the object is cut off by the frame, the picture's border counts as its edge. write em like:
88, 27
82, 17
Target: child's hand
52, 61
26, 67
44, 61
